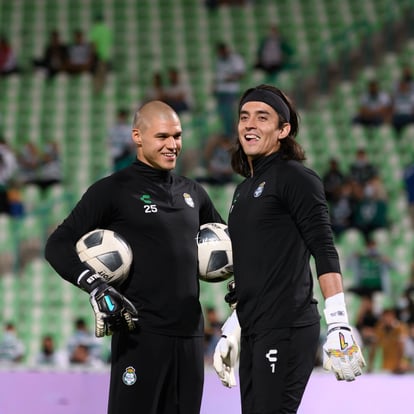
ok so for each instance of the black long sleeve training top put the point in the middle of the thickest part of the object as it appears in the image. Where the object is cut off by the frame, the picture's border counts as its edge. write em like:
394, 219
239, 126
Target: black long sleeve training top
277, 221
159, 213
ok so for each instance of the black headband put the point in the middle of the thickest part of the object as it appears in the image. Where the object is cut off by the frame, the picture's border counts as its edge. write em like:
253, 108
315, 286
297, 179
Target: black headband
270, 98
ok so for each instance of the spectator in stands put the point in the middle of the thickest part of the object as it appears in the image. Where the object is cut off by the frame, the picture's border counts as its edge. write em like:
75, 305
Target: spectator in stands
406, 76
100, 38
29, 161
408, 179
156, 89
371, 271
82, 337
333, 179
15, 198
4, 201
12, 348
212, 332
80, 57
406, 311
8, 170
366, 321
361, 169
274, 54
402, 106
341, 207
212, 4
82, 355
230, 68
40, 167
49, 355
408, 358
8, 59
374, 107
54, 57
50, 169
218, 160
371, 208
390, 337
121, 145
176, 93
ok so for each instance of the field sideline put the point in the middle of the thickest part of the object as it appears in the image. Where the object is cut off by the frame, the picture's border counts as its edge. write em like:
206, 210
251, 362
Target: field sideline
79, 392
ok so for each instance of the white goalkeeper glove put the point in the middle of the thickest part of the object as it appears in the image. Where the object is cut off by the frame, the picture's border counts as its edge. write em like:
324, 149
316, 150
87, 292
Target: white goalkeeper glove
112, 310
226, 352
341, 353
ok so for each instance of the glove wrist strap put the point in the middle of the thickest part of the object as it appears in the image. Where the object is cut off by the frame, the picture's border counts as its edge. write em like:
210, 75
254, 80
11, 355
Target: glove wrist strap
89, 281
338, 327
335, 310
231, 326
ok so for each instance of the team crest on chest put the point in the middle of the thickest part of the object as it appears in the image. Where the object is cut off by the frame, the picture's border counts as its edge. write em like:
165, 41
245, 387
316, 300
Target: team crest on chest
129, 377
259, 190
188, 200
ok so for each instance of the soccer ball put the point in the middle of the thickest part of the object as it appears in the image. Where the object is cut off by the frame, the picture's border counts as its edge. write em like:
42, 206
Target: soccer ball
215, 258
106, 253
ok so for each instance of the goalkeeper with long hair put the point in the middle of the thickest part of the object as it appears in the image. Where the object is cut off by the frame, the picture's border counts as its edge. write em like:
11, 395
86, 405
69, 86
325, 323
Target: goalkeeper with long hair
278, 220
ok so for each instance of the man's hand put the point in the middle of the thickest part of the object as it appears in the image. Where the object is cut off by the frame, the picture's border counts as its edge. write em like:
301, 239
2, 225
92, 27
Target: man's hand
226, 352
112, 310
341, 354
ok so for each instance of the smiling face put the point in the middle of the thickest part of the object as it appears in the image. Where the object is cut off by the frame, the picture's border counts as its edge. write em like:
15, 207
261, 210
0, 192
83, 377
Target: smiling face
259, 130
158, 136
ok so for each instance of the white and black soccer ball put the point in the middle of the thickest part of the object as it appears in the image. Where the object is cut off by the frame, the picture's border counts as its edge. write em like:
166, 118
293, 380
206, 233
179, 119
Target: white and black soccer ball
215, 257
106, 253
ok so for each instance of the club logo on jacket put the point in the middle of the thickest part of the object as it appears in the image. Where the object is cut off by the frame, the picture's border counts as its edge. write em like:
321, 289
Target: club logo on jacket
188, 200
129, 377
259, 190
149, 205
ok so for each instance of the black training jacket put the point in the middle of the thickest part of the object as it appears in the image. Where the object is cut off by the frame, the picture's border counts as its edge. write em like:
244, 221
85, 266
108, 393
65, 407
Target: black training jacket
277, 221
159, 213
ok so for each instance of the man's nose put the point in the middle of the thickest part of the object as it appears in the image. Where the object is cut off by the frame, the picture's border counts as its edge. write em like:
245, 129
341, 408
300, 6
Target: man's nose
171, 142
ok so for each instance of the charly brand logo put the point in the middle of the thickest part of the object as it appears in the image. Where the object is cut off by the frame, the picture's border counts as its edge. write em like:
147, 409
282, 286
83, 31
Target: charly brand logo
129, 377
146, 198
259, 190
188, 200
272, 358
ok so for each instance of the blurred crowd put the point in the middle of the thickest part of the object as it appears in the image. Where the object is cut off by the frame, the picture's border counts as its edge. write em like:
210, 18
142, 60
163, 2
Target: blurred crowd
26, 165
378, 106
81, 349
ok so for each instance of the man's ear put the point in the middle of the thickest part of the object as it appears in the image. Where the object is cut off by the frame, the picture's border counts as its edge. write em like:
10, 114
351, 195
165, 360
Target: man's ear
284, 130
136, 136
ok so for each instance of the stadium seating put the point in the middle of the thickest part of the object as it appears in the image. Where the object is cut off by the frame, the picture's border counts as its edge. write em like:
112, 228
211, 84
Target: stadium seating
152, 35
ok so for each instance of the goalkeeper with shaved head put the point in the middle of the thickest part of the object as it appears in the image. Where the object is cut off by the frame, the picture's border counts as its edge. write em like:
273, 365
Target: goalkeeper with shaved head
155, 316
278, 220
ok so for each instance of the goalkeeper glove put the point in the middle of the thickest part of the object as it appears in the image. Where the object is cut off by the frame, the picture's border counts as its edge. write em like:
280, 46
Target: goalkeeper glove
341, 354
112, 310
226, 352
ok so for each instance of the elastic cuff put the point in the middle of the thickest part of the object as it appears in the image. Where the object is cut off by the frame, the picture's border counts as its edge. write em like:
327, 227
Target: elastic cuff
335, 301
82, 275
